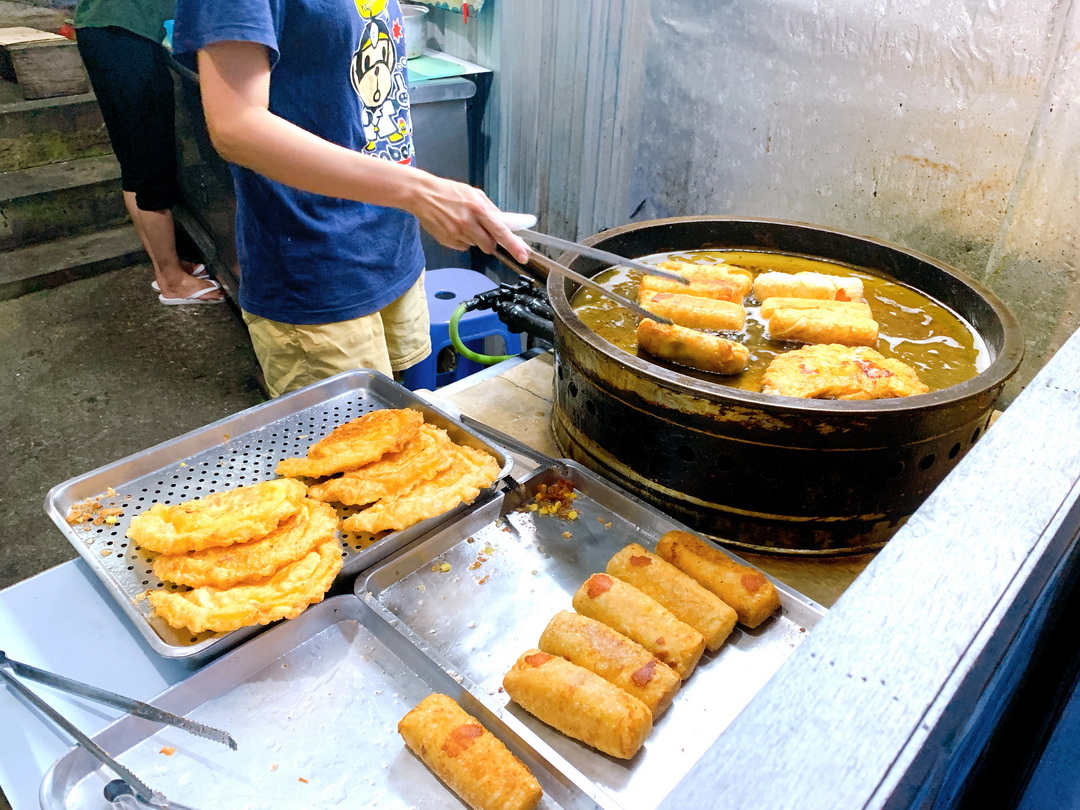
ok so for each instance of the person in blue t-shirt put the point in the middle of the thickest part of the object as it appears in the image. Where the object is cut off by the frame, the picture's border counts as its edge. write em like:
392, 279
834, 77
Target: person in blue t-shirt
308, 100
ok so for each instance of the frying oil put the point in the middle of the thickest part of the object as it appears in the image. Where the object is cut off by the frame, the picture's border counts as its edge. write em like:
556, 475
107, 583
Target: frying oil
941, 346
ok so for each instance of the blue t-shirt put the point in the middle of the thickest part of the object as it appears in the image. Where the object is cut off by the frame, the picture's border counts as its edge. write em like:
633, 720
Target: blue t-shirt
337, 70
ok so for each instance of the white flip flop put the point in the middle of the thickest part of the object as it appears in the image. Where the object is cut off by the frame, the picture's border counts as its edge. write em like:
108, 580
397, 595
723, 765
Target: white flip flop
199, 272
194, 298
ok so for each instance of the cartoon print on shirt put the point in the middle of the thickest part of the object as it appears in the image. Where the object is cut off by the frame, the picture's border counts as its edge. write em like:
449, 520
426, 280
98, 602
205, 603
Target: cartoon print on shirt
379, 81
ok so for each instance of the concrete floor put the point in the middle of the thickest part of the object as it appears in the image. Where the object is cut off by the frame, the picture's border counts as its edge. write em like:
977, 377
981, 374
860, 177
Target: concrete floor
93, 371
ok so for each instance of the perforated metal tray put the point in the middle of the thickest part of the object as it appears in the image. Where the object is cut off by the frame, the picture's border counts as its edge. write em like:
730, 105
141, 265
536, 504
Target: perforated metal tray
478, 591
240, 449
313, 705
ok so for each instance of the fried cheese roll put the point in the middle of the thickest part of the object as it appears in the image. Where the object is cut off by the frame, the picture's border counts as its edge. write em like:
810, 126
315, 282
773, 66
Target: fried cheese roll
745, 589
641, 618
822, 326
611, 655
808, 285
770, 305
468, 758
680, 593
712, 272
579, 703
695, 312
689, 347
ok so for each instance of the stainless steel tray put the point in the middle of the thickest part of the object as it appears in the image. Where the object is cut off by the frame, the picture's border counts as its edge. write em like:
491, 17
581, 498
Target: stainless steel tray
511, 571
240, 449
313, 704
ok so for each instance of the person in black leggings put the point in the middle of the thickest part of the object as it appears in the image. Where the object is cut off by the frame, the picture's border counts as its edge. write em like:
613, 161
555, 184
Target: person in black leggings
120, 45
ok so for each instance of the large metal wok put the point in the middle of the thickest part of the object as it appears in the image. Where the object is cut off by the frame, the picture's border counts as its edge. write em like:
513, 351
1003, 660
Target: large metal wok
758, 471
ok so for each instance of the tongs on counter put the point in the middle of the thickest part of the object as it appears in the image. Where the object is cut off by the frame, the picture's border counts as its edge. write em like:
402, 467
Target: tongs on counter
9, 669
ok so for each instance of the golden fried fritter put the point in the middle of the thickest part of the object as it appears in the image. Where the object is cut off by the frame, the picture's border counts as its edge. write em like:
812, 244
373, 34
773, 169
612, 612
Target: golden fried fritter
689, 347
221, 519
284, 595
313, 524
470, 471
356, 443
424, 456
831, 371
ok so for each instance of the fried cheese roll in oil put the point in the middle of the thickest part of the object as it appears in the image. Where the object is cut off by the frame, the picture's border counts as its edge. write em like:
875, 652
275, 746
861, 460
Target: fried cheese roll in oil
689, 347
822, 326
770, 305
712, 272
680, 593
808, 285
745, 589
467, 757
718, 282
641, 618
611, 655
695, 312
579, 703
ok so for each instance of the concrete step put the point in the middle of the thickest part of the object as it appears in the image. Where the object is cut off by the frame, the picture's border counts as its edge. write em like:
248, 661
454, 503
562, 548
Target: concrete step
59, 199
34, 133
51, 264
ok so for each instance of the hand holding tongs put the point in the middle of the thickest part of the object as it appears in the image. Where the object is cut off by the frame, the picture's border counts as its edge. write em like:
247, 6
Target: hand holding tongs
521, 224
9, 669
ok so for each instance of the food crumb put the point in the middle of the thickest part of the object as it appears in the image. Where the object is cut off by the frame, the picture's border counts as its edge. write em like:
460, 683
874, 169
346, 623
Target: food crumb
421, 587
485, 578
534, 571
167, 750
567, 535
443, 567
273, 766
302, 779
110, 492
105, 552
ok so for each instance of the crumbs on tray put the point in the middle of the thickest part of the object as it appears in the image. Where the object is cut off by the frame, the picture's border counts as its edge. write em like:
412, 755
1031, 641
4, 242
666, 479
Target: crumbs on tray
556, 499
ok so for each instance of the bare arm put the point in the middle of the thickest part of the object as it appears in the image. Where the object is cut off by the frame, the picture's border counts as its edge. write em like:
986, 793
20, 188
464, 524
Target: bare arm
234, 79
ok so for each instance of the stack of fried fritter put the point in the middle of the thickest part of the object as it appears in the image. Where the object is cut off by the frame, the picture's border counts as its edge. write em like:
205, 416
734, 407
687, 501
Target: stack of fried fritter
400, 468
250, 555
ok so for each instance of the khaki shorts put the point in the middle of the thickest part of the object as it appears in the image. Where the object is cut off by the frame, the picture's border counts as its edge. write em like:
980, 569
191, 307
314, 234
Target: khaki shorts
392, 339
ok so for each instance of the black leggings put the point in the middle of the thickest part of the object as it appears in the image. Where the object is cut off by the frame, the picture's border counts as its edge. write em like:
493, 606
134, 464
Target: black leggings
134, 89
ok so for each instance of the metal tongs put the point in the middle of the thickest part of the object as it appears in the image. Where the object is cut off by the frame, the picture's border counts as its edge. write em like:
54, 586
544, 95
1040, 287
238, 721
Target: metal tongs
522, 225
9, 669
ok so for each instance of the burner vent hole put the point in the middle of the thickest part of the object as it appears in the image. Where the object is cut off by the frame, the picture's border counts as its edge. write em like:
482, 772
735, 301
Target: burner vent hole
927, 461
954, 451
685, 453
896, 469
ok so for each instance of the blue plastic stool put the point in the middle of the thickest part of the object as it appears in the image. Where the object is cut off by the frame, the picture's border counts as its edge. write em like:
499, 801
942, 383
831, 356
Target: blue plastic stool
447, 288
